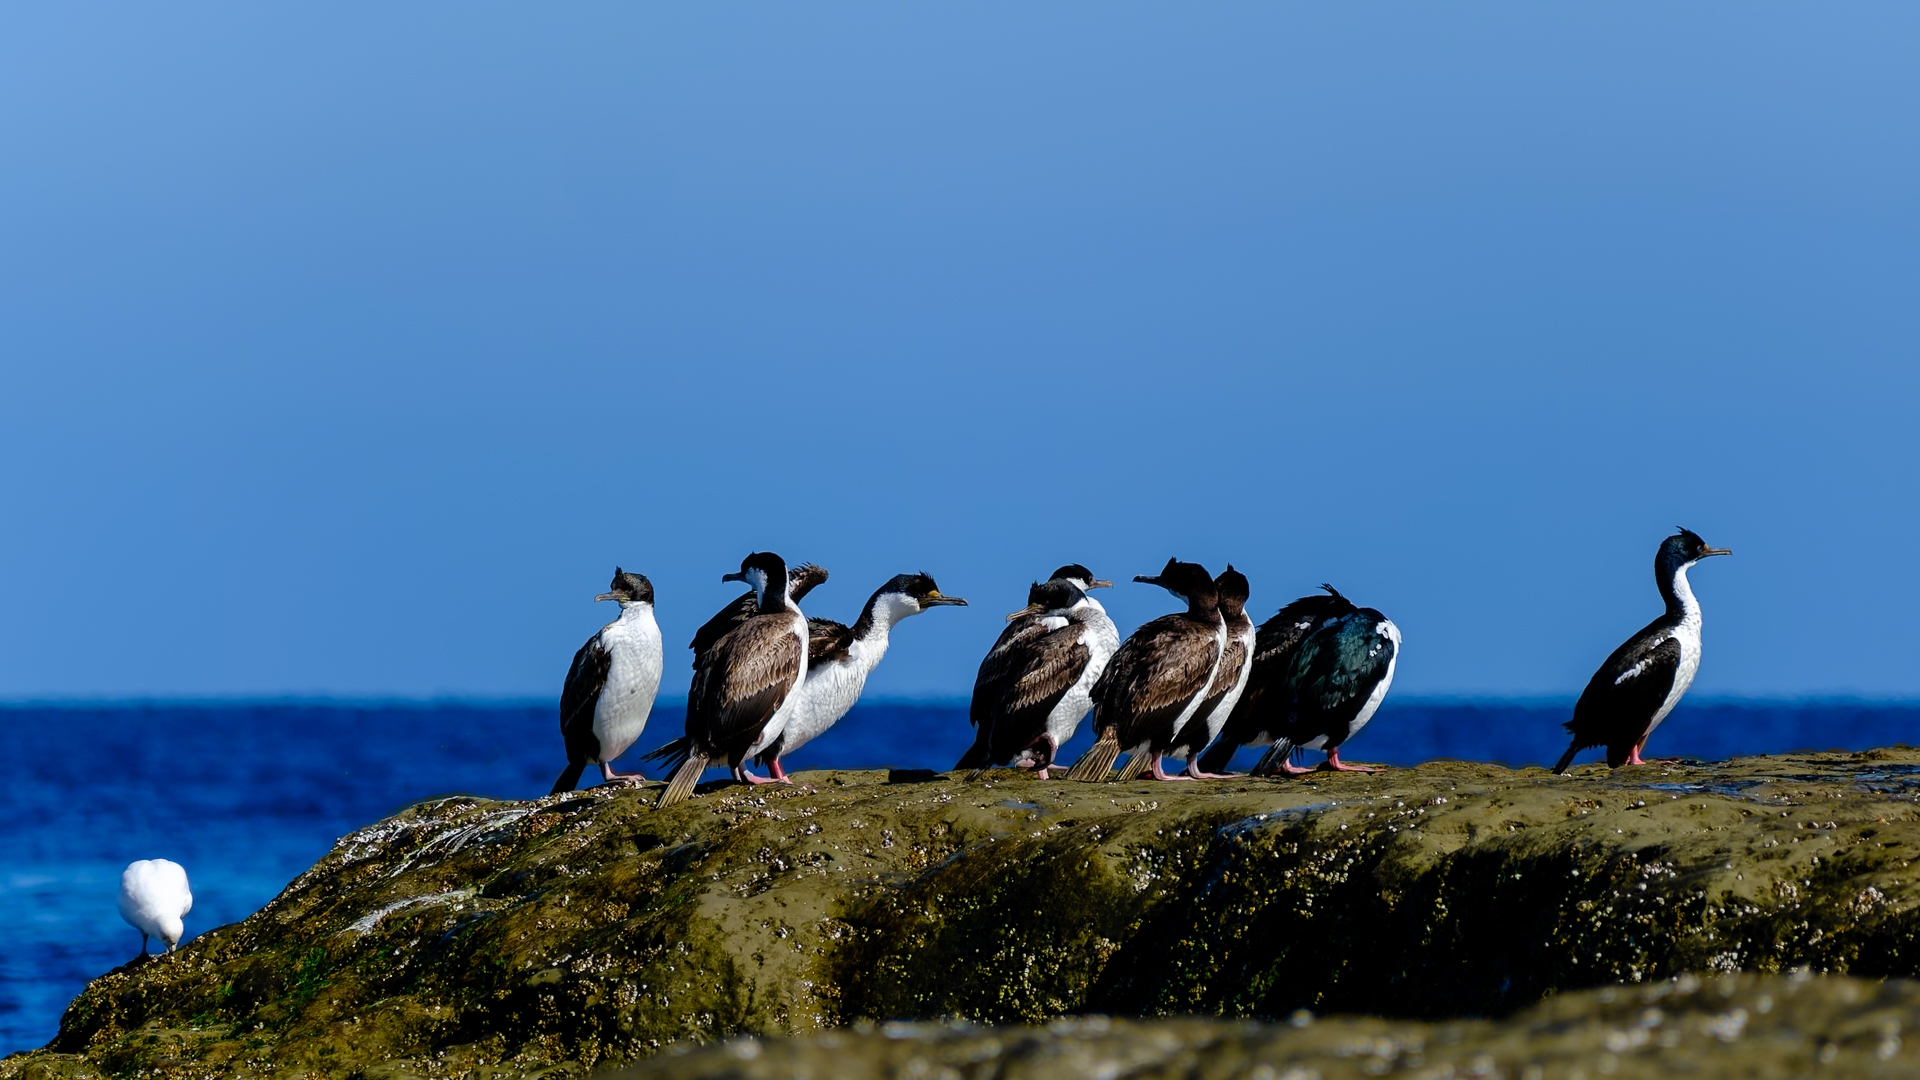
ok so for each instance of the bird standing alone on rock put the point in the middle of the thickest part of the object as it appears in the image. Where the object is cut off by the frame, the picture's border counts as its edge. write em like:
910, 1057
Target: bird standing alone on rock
610, 687
1645, 678
155, 899
743, 687
1158, 678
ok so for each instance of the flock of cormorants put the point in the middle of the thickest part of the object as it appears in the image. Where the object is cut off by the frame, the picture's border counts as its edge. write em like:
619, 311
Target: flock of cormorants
1194, 685
1197, 684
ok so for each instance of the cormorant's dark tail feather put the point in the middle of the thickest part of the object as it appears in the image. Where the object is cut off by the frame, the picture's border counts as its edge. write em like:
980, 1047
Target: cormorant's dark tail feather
1097, 762
1269, 762
1566, 759
976, 755
685, 778
1216, 757
1137, 764
569, 778
673, 755
977, 773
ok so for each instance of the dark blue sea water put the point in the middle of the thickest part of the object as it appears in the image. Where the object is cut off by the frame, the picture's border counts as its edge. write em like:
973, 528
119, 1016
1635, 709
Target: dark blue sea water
246, 796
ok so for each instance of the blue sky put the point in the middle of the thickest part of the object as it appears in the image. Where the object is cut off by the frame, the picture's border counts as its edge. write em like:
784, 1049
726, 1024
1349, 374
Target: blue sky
346, 350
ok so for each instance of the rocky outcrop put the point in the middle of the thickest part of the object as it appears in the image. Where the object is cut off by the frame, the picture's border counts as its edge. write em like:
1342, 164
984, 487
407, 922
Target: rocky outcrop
1751, 1026
466, 935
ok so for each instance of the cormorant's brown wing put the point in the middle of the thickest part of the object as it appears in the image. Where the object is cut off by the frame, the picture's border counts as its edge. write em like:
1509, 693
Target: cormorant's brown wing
1194, 735
746, 677
578, 697
1153, 677
740, 610
1041, 672
827, 641
1002, 664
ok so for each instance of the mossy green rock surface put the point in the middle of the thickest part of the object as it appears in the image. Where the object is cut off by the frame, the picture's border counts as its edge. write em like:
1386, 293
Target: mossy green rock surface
466, 935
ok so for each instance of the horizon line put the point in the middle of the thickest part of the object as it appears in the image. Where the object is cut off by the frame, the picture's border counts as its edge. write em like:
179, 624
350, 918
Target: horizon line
922, 700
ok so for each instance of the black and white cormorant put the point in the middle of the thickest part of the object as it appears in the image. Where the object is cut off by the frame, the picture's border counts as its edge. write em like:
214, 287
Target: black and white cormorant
1644, 679
1158, 678
610, 687
1334, 683
803, 578
839, 659
1012, 656
1229, 682
1033, 693
743, 690
1257, 717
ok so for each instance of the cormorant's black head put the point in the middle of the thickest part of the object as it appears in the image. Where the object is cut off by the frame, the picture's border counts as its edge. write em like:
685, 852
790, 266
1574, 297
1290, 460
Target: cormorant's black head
1232, 588
1188, 581
1056, 597
801, 579
919, 589
763, 570
1683, 548
1080, 576
629, 588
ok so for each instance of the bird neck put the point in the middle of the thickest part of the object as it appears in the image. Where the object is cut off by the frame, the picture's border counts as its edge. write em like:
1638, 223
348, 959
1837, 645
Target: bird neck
772, 598
878, 617
1678, 594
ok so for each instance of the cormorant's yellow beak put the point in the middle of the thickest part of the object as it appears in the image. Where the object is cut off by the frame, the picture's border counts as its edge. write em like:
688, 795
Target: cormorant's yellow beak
606, 596
1704, 552
1098, 583
935, 599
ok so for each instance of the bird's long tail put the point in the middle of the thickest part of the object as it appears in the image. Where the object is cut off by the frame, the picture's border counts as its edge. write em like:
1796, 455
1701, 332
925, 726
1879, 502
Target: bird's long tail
1270, 761
1137, 765
680, 788
673, 755
976, 756
569, 777
1566, 759
1217, 756
1097, 762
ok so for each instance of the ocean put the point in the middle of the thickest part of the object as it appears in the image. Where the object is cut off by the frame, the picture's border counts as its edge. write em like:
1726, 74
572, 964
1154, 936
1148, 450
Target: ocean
248, 795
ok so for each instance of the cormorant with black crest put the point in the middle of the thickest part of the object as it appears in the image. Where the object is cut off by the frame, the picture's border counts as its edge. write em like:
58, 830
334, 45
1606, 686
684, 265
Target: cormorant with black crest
610, 687
1257, 717
1644, 678
1229, 682
1158, 678
744, 686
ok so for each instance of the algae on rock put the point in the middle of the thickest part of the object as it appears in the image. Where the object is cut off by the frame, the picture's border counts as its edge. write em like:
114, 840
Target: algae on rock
466, 934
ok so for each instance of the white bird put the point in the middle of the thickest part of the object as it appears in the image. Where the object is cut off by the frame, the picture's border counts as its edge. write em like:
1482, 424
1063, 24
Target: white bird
154, 898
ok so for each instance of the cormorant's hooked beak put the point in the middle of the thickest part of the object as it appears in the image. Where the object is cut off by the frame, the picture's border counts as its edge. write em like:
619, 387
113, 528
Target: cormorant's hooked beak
1030, 609
1099, 583
1710, 551
1147, 579
935, 599
606, 596
736, 576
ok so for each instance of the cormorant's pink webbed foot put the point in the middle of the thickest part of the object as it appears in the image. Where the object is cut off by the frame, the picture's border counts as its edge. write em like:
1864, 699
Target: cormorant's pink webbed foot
1334, 764
1160, 773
